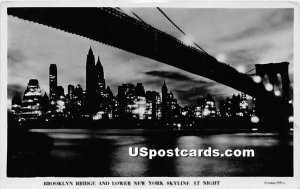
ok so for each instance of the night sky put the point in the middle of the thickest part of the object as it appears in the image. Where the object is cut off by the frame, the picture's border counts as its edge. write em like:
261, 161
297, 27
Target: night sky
238, 37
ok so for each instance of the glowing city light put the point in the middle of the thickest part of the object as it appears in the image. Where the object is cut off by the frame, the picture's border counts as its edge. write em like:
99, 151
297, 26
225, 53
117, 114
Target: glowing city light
138, 104
187, 40
206, 112
257, 79
290, 101
60, 103
254, 119
269, 87
221, 57
277, 93
241, 68
291, 119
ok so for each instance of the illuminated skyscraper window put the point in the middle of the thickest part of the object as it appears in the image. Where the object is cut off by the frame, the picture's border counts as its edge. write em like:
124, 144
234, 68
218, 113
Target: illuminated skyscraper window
31, 107
52, 81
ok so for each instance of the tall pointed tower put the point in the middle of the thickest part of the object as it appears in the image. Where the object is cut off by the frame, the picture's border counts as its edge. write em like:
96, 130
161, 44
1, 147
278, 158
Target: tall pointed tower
164, 93
90, 83
100, 81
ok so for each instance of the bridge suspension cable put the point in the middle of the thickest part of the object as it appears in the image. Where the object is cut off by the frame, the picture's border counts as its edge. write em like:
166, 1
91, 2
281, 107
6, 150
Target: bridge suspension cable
138, 17
134, 14
169, 19
175, 25
162, 12
250, 70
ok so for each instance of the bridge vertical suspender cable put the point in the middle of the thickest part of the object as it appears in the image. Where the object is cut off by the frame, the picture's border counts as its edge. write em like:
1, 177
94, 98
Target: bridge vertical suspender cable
250, 70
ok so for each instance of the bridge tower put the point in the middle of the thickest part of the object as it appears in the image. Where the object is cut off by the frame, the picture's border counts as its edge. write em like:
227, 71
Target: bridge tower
278, 74
275, 114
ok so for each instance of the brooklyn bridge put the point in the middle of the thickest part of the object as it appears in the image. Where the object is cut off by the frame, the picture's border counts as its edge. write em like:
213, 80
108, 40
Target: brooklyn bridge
113, 27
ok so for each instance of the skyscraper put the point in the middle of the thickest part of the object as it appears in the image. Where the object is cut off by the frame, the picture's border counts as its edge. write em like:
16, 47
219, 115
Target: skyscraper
52, 81
153, 105
243, 105
126, 97
164, 92
139, 102
209, 109
45, 103
15, 106
101, 106
78, 100
31, 107
100, 81
60, 103
173, 107
90, 108
70, 94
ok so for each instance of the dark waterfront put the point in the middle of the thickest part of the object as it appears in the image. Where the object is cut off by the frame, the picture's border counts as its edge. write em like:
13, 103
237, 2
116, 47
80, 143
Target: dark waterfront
104, 153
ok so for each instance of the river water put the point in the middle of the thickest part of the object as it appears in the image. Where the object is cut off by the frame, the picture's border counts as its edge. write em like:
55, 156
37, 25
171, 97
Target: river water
105, 153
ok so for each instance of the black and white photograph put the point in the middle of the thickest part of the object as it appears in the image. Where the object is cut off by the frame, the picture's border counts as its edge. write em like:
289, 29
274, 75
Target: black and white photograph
149, 92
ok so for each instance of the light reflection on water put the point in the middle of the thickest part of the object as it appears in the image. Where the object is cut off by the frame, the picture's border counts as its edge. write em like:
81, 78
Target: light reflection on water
105, 153
123, 165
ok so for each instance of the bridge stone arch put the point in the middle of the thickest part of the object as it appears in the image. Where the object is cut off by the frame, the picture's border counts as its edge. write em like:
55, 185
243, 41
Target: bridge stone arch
272, 70
265, 79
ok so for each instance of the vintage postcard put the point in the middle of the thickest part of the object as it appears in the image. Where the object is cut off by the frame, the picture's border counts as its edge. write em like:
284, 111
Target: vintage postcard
154, 95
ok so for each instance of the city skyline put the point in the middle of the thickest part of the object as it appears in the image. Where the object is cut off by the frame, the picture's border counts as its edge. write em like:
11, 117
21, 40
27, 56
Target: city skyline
27, 48
97, 102
53, 83
99, 85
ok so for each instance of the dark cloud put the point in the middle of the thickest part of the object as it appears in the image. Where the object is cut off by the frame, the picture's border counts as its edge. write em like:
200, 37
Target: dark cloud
189, 96
276, 20
15, 56
169, 75
156, 82
14, 90
249, 55
218, 92
280, 19
174, 76
185, 88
